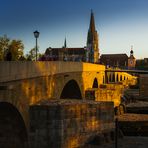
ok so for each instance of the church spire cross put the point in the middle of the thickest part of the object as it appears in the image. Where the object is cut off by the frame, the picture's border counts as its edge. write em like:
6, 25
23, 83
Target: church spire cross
131, 47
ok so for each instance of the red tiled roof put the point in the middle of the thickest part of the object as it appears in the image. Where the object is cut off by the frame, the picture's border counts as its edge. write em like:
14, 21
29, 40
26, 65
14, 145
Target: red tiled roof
67, 49
114, 55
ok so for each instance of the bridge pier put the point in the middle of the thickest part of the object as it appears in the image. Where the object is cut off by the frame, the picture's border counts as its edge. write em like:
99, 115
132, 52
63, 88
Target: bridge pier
68, 124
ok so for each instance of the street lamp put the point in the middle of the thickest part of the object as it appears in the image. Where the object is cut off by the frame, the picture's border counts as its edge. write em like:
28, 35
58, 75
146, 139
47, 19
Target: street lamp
36, 35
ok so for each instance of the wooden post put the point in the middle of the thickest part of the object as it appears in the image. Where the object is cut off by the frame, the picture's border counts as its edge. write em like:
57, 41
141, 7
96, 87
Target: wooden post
116, 133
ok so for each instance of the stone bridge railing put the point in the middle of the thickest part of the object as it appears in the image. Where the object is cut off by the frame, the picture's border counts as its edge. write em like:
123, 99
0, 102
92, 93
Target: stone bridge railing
14, 70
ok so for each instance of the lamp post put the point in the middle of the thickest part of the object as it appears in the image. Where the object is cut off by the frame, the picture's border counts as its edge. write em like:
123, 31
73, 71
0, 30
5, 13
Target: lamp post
36, 35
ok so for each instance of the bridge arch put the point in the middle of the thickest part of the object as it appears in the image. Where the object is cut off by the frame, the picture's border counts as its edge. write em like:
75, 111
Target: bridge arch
12, 125
124, 78
117, 78
110, 78
120, 77
95, 83
113, 77
71, 90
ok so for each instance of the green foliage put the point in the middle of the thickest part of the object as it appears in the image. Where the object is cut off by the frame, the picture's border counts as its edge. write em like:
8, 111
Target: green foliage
31, 56
15, 47
4, 45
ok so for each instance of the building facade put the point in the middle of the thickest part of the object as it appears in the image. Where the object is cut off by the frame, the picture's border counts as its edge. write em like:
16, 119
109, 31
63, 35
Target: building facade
65, 54
119, 60
114, 60
142, 64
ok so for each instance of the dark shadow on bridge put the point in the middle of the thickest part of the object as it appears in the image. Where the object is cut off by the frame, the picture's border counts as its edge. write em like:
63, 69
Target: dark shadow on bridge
121, 78
110, 78
71, 91
13, 133
113, 77
95, 83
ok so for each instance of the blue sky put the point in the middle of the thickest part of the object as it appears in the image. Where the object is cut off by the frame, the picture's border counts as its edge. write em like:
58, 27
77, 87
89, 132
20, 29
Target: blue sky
120, 23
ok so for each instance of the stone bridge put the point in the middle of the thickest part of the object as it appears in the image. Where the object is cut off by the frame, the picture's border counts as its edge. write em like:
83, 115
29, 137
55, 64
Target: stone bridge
115, 75
27, 83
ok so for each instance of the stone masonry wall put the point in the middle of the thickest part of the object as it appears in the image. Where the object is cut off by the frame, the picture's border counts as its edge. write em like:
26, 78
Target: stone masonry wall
144, 86
69, 124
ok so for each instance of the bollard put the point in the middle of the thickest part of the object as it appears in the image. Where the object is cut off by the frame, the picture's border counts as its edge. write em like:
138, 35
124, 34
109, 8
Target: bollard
116, 133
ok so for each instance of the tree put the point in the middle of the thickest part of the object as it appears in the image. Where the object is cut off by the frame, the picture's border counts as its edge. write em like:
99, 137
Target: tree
13, 47
4, 45
31, 56
16, 48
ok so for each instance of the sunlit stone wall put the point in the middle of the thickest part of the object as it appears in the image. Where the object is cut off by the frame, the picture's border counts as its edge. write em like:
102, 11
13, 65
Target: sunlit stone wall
14, 70
69, 124
111, 92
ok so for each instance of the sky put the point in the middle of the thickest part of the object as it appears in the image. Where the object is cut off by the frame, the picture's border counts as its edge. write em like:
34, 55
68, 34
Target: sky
120, 23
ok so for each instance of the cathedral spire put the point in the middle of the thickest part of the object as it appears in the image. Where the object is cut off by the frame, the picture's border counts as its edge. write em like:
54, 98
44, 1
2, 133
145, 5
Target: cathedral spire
65, 44
92, 22
91, 31
92, 41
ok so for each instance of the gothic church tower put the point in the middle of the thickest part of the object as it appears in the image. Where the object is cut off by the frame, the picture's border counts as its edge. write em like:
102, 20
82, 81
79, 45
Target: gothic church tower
92, 42
131, 60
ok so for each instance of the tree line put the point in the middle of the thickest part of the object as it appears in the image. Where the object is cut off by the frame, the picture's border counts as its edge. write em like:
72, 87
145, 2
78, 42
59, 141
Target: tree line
13, 50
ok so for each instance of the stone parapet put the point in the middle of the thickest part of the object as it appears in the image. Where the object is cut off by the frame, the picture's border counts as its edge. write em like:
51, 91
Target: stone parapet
14, 70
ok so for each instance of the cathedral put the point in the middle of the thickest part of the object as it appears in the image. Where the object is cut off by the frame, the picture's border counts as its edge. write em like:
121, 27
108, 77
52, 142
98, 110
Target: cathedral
90, 53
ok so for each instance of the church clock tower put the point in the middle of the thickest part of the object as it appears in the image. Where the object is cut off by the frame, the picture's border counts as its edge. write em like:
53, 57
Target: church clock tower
92, 42
131, 60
